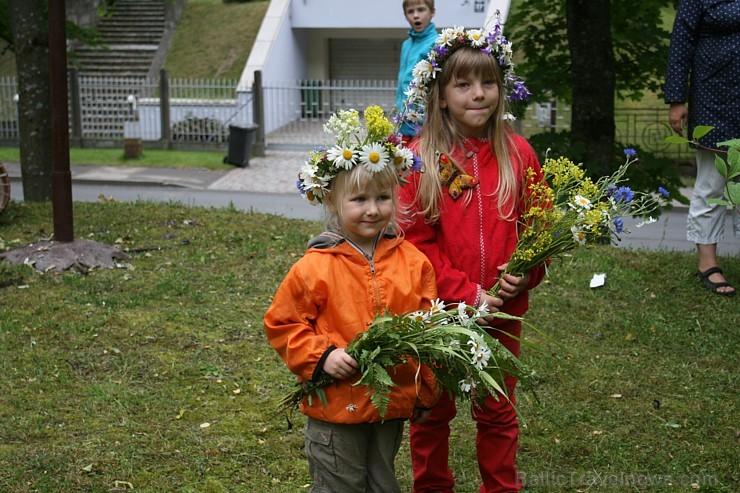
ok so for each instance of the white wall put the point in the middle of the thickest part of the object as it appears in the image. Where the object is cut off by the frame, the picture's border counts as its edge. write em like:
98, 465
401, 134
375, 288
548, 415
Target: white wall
382, 13
279, 51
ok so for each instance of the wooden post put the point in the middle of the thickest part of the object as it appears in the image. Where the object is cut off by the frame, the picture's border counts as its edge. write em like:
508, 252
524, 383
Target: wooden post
258, 109
164, 107
61, 178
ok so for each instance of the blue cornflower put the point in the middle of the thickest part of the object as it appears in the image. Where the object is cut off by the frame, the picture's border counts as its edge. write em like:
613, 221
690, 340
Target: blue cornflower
299, 185
610, 189
519, 92
629, 152
663, 191
618, 224
417, 164
624, 194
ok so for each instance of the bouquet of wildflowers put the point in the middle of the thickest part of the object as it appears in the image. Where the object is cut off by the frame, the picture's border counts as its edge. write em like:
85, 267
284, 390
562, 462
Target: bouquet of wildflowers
464, 358
565, 210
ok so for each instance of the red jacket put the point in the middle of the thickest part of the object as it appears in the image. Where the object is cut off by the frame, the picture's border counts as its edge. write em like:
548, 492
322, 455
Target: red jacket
469, 242
332, 294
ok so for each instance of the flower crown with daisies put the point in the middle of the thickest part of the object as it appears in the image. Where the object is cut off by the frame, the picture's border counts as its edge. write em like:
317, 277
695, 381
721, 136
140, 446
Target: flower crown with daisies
374, 146
490, 42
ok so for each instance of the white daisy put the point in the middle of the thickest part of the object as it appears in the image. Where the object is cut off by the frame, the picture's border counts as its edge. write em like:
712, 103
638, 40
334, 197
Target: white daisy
582, 202
649, 220
447, 36
343, 156
403, 158
462, 313
481, 353
578, 235
467, 385
423, 71
419, 316
374, 156
483, 310
437, 306
477, 37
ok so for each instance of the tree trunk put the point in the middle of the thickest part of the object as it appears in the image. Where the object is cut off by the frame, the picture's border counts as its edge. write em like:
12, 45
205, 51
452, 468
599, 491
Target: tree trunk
592, 70
31, 39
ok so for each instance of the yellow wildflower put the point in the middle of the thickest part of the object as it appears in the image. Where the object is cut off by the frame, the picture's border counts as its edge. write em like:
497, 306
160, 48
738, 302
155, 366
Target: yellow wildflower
378, 126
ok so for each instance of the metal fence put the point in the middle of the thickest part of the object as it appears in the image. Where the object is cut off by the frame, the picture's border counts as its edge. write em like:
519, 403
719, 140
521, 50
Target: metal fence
188, 113
648, 129
100, 106
8, 109
294, 108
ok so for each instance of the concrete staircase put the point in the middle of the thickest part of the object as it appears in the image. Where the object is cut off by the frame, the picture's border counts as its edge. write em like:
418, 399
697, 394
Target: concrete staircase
131, 39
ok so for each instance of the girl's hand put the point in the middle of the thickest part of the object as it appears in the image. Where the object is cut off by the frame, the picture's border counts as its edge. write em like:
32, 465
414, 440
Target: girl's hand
511, 286
494, 304
340, 365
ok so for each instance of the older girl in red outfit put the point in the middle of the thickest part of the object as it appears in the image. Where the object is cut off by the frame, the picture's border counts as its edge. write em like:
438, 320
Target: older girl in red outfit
464, 211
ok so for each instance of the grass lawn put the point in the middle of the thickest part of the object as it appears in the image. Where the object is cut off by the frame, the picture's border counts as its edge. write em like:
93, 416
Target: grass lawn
213, 39
150, 158
156, 376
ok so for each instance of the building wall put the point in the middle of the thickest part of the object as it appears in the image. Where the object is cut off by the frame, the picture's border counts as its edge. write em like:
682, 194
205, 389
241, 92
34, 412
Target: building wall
367, 14
319, 52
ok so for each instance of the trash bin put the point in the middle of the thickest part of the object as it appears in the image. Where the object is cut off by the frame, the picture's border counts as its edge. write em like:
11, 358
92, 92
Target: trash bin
241, 140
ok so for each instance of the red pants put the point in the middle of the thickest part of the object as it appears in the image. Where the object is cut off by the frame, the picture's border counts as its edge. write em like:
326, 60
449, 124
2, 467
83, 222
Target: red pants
496, 439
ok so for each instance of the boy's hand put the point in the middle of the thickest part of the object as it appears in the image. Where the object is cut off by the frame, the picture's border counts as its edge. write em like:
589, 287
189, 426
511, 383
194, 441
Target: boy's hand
340, 365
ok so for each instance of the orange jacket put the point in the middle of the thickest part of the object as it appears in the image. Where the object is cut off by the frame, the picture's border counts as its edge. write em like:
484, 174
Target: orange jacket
332, 294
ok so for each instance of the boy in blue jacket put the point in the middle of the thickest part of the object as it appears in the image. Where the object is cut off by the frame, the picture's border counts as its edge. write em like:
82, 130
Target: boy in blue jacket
421, 39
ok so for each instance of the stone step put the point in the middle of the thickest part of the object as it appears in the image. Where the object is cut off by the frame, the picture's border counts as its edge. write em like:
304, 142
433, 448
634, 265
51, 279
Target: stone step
126, 51
133, 19
90, 62
129, 71
130, 37
118, 25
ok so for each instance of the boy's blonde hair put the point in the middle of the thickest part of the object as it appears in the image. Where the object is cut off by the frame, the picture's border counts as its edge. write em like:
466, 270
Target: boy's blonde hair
440, 134
409, 3
356, 179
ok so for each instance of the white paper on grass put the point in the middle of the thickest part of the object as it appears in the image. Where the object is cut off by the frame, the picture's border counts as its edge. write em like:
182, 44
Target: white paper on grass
598, 280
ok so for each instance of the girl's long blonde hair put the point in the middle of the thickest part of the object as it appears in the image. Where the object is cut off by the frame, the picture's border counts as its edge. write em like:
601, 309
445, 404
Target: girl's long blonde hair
439, 134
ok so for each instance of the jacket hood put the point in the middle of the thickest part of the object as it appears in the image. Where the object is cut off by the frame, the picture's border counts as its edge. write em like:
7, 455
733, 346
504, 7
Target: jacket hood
329, 240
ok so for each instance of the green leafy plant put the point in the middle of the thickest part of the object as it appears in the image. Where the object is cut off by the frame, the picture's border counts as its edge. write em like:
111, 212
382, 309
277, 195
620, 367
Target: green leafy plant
464, 358
729, 168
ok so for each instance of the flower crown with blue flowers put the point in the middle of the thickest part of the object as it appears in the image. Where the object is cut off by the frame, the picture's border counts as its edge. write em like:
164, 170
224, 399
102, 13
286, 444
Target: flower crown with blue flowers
374, 146
491, 42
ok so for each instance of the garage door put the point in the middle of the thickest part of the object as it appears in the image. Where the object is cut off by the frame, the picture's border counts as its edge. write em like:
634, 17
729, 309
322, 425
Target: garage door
368, 68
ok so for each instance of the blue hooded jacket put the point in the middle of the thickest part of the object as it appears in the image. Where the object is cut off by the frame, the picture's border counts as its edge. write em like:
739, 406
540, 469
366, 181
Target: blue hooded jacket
414, 49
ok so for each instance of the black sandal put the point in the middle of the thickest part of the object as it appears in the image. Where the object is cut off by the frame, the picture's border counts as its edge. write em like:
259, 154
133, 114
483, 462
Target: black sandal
712, 286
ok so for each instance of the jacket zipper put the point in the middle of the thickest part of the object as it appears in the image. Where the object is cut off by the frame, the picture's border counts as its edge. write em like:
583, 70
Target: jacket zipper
371, 264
